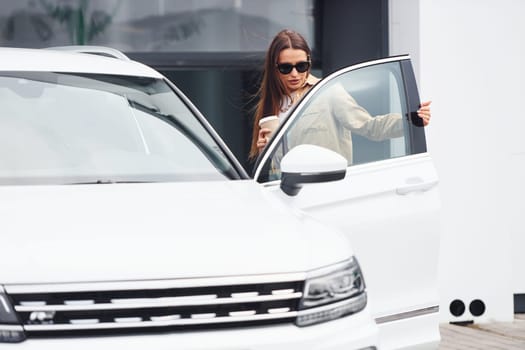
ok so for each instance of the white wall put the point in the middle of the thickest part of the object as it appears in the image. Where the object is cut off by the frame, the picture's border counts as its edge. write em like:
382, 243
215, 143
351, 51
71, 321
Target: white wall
469, 60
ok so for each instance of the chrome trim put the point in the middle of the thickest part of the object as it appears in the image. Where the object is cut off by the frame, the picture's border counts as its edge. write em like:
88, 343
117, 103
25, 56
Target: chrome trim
76, 302
189, 321
144, 324
33, 303
158, 303
244, 294
242, 313
11, 327
279, 310
85, 321
92, 49
165, 318
127, 319
407, 314
170, 283
152, 284
282, 291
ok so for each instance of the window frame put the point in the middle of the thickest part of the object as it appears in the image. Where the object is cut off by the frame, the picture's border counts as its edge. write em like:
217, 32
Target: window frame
415, 133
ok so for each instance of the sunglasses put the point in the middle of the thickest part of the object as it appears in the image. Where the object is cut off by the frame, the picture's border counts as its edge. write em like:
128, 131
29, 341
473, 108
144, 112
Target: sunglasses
286, 68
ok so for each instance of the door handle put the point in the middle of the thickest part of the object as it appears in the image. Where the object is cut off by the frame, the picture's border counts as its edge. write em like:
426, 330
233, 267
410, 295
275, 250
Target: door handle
415, 185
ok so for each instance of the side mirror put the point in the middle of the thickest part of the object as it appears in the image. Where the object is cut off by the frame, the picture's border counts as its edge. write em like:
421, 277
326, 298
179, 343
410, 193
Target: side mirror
310, 164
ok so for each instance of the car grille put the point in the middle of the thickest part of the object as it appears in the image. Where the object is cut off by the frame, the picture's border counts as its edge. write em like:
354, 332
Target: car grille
165, 305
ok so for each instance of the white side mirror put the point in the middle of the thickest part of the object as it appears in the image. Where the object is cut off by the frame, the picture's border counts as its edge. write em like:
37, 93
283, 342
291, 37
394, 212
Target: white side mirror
310, 164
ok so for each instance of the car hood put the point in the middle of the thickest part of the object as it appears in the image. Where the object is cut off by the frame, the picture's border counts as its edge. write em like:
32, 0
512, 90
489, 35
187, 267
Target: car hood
106, 232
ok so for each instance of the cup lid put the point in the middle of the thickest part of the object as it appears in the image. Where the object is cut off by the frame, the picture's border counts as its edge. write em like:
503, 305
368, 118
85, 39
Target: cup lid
267, 119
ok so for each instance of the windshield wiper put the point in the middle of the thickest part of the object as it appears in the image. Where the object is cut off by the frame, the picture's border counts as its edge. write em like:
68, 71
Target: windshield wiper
211, 154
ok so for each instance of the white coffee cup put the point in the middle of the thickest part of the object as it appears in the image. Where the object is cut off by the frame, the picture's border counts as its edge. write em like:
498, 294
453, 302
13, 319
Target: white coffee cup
270, 122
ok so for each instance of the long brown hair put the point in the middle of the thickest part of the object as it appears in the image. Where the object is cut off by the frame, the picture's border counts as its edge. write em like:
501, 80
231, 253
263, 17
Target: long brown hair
272, 90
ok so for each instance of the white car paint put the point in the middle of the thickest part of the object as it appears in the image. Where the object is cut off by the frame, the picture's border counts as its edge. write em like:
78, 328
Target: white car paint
79, 233
394, 229
390, 210
63, 61
84, 235
81, 236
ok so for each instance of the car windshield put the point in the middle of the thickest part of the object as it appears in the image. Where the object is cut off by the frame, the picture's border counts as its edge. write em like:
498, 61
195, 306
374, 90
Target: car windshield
68, 128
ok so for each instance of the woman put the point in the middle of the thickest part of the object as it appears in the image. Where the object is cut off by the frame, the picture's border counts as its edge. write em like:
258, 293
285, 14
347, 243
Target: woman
286, 78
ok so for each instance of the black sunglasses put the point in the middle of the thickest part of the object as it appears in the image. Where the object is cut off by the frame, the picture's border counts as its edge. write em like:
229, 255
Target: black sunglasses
286, 68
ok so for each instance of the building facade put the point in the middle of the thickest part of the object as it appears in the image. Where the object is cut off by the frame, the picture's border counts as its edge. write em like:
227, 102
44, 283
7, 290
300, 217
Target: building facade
212, 49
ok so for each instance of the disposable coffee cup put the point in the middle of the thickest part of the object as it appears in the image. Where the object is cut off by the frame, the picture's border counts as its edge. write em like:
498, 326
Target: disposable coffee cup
271, 122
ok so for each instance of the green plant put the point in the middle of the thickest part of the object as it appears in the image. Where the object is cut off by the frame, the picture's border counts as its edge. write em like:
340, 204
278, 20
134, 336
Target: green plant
83, 26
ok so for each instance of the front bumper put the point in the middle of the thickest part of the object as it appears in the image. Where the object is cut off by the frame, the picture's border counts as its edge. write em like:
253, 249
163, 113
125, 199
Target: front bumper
357, 331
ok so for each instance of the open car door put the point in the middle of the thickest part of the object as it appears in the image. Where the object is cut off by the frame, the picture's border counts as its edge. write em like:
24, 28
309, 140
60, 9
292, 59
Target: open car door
388, 202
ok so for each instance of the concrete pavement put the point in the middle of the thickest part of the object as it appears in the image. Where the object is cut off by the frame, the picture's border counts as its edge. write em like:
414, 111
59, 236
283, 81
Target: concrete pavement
491, 336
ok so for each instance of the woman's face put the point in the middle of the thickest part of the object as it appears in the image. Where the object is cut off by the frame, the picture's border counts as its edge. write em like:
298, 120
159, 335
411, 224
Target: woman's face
293, 80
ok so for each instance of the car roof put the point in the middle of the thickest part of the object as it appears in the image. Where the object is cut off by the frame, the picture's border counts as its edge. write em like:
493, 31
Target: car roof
49, 60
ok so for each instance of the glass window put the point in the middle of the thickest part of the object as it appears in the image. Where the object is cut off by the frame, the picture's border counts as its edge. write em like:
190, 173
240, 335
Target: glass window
154, 25
358, 114
60, 128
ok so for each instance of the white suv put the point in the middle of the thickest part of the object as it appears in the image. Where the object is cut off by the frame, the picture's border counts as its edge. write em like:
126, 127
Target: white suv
125, 217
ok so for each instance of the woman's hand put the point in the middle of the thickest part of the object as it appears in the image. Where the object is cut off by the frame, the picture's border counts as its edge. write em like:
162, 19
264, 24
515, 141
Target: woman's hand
262, 140
424, 112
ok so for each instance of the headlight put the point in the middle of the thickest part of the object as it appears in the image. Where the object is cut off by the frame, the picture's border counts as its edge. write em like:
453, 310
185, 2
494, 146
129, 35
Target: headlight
331, 293
10, 329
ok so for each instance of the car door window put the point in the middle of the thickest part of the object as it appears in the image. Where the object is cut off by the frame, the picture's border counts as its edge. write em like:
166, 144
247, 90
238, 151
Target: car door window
361, 114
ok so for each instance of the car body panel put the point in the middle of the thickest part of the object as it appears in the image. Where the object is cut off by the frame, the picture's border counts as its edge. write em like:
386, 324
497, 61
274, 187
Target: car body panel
334, 336
141, 231
98, 243
389, 208
62, 61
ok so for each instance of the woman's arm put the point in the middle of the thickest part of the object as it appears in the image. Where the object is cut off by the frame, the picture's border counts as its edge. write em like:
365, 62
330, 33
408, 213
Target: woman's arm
355, 118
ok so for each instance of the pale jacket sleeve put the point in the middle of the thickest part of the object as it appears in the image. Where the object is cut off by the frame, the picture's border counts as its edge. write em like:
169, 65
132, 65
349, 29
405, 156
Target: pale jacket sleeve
355, 118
